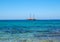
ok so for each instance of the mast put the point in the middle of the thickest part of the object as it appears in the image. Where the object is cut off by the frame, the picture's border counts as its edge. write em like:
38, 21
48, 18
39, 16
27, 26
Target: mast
32, 17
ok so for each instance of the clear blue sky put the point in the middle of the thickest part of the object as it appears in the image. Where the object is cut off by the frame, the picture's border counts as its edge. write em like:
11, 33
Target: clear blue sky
21, 9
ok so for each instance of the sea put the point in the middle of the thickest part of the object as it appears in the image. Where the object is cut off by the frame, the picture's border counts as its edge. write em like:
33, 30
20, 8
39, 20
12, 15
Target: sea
29, 30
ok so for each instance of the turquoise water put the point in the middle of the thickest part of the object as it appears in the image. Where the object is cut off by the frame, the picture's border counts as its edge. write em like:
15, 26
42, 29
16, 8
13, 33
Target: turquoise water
27, 30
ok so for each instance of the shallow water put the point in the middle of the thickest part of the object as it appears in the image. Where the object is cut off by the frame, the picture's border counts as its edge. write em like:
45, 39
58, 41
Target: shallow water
29, 31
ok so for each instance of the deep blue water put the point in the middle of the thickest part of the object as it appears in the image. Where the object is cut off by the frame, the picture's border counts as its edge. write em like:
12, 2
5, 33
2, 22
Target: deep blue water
30, 25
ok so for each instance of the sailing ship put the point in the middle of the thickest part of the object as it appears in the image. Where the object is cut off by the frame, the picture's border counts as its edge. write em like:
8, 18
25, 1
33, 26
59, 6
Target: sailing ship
32, 17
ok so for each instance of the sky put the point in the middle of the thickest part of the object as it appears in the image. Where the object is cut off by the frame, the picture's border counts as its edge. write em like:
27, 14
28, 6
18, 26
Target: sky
22, 9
